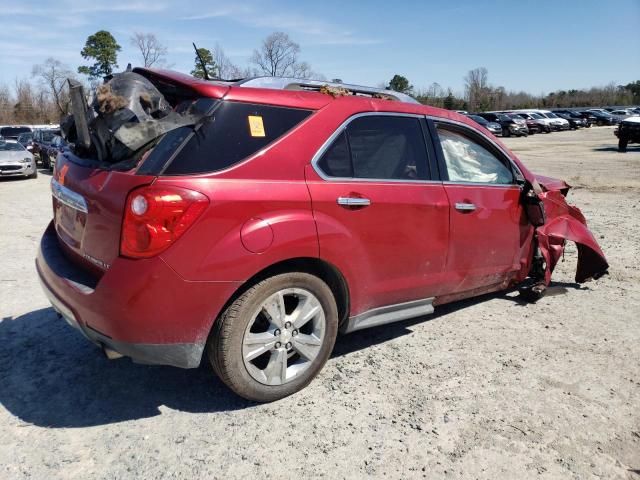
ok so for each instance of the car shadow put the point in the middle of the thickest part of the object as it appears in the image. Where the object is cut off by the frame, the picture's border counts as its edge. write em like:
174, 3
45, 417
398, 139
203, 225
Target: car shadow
346, 344
630, 149
45, 171
51, 376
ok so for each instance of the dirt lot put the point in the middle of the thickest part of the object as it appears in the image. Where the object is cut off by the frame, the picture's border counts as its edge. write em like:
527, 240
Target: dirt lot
488, 388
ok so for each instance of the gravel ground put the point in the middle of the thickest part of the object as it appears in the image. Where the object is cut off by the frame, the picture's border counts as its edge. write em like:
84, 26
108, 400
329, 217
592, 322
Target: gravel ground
486, 388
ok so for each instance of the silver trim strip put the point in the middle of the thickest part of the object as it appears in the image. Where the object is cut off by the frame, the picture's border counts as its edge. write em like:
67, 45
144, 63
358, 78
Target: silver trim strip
68, 197
389, 314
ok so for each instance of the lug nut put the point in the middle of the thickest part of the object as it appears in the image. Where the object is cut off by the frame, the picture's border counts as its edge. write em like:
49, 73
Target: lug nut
288, 345
287, 325
276, 332
294, 333
278, 344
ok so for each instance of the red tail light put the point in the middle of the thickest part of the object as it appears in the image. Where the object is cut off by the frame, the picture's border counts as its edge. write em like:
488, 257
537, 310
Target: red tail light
155, 217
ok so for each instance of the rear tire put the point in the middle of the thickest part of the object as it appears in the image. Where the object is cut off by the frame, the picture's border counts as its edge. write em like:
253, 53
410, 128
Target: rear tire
34, 174
506, 133
264, 355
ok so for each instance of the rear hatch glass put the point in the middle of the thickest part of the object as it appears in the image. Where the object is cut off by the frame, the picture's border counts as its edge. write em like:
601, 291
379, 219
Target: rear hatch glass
230, 133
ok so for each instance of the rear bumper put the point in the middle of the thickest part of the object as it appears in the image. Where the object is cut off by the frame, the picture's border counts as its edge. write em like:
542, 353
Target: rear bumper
139, 308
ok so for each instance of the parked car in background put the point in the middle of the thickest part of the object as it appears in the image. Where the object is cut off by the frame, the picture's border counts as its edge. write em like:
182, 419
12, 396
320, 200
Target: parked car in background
628, 132
286, 216
531, 124
623, 113
13, 132
26, 140
493, 127
602, 117
554, 123
49, 153
561, 123
16, 161
509, 126
42, 139
543, 123
574, 122
587, 119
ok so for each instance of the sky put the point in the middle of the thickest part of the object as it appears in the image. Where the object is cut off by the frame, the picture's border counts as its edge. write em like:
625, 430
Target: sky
537, 47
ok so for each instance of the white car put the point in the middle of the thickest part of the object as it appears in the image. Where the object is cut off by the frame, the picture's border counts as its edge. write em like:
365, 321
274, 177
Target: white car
551, 119
623, 113
15, 160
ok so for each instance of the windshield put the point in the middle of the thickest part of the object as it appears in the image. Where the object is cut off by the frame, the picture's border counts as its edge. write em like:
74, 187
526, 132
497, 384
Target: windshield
537, 116
10, 147
47, 136
25, 137
516, 116
478, 119
503, 117
13, 131
551, 115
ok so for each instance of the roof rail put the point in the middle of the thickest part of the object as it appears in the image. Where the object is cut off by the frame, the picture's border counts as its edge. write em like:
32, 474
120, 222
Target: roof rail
289, 83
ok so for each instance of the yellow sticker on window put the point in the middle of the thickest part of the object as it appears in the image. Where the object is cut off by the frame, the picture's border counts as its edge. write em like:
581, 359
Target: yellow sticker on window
256, 126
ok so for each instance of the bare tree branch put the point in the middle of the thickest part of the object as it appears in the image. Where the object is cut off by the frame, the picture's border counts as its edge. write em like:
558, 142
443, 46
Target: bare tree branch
153, 52
278, 57
53, 75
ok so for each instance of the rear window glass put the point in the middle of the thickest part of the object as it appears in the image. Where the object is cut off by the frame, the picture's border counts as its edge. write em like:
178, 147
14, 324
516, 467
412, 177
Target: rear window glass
233, 132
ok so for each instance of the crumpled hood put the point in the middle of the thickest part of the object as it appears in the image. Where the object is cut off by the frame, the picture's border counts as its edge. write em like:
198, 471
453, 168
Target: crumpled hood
551, 184
13, 157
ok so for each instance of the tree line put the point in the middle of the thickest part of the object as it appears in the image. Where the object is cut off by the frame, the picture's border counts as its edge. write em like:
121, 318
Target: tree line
44, 97
480, 95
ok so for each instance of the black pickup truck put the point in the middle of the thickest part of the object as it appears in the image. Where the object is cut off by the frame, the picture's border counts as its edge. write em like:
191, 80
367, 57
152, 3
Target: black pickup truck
628, 132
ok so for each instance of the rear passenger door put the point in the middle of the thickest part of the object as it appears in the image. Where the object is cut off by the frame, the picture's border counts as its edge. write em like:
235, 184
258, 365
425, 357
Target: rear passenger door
381, 218
487, 221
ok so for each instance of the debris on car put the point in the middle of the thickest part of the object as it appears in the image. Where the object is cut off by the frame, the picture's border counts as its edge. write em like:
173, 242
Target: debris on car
127, 114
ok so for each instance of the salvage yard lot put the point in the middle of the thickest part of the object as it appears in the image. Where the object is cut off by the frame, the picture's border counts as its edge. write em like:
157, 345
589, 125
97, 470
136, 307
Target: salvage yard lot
486, 388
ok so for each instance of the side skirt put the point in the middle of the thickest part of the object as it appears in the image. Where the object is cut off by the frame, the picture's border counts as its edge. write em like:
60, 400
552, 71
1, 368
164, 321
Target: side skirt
388, 314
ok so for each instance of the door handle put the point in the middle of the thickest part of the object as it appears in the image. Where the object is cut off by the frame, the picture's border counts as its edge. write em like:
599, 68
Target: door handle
353, 202
465, 207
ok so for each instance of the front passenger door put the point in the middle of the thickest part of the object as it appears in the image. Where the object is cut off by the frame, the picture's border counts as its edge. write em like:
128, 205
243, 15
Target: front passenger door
488, 227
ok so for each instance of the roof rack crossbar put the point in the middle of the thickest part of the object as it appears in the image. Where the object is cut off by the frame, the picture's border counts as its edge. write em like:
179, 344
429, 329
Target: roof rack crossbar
288, 83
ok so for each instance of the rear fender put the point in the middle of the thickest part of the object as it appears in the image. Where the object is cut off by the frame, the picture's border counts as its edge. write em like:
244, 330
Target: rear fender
566, 222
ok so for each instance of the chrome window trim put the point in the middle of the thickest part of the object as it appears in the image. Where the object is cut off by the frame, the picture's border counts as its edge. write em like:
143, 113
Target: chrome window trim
323, 148
497, 146
68, 197
482, 184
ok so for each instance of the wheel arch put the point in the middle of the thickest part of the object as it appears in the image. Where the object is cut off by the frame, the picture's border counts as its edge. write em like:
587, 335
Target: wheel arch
322, 269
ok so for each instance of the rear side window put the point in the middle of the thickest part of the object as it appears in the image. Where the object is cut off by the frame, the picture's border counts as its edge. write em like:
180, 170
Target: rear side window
233, 132
378, 147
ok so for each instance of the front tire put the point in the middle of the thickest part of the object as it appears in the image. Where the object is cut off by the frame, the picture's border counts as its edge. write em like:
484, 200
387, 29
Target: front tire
275, 338
622, 144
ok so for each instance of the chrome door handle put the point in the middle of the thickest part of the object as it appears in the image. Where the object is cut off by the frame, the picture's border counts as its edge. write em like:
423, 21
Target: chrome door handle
354, 202
465, 207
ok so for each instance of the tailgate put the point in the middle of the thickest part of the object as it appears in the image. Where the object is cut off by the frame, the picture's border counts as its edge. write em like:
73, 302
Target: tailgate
88, 206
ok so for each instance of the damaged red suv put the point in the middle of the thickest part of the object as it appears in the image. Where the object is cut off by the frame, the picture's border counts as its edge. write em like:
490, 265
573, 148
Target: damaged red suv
251, 221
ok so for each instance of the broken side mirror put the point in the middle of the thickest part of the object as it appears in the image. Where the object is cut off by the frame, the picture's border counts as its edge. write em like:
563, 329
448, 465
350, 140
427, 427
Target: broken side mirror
534, 208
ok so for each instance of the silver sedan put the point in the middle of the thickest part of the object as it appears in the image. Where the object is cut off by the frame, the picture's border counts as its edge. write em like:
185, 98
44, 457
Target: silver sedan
15, 160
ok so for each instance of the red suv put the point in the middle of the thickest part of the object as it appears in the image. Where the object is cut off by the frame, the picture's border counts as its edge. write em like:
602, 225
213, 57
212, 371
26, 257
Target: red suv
253, 221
